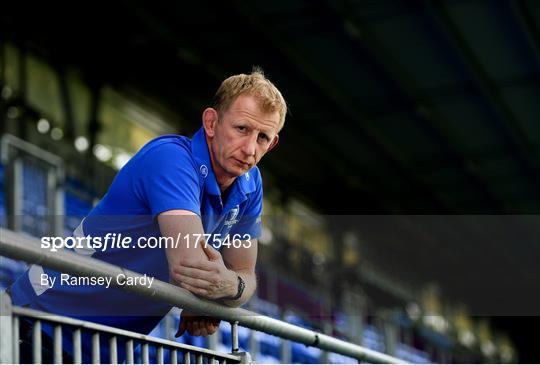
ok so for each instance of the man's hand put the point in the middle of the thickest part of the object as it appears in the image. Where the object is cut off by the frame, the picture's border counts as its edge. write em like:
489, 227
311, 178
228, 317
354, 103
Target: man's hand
197, 325
209, 279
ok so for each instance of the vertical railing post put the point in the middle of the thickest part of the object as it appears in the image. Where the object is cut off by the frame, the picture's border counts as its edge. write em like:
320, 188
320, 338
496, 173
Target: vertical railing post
6, 330
96, 356
234, 334
252, 339
285, 351
253, 345
57, 352
113, 350
327, 329
214, 340
36, 342
16, 337
173, 356
245, 358
285, 348
130, 359
77, 349
145, 354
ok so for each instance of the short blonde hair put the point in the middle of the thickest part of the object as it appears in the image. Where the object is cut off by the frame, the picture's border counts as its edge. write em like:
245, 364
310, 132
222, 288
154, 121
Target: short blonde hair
255, 84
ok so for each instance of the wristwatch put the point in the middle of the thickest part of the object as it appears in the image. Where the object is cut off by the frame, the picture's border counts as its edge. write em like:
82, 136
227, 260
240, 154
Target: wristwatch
241, 287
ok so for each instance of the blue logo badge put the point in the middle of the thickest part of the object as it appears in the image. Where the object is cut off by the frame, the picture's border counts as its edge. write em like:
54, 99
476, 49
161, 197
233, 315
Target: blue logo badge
204, 170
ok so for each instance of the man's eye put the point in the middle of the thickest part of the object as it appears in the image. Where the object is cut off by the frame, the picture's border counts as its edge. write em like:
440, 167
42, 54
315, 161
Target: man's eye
263, 136
241, 128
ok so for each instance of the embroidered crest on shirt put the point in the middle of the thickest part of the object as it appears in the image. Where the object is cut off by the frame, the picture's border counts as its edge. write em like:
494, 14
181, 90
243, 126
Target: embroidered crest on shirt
231, 219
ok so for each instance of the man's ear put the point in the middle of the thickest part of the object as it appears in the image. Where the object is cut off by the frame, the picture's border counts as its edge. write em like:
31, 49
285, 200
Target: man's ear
274, 143
210, 118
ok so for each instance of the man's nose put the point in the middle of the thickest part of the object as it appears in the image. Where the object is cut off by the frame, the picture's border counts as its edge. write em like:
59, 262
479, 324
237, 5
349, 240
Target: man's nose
250, 146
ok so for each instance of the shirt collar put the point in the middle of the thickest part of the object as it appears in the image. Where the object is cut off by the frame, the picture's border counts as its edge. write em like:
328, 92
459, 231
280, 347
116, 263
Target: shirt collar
244, 183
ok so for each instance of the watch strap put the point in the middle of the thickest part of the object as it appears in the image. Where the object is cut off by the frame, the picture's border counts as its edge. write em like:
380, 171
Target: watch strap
241, 287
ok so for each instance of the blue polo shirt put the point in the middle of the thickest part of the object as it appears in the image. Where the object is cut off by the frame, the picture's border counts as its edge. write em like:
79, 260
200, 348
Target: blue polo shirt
170, 172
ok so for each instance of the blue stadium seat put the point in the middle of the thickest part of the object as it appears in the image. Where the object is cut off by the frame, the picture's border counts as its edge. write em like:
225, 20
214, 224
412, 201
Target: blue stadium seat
269, 345
77, 204
302, 354
373, 338
340, 359
267, 359
10, 270
411, 354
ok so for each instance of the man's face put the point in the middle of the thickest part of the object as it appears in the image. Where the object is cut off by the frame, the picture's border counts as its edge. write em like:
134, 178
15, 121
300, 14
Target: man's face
240, 137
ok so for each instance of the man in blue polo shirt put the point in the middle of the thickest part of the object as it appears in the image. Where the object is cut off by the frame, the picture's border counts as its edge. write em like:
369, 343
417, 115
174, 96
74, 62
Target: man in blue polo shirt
207, 187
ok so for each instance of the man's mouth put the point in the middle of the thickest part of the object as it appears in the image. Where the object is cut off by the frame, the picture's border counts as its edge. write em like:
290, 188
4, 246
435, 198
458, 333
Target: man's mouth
242, 163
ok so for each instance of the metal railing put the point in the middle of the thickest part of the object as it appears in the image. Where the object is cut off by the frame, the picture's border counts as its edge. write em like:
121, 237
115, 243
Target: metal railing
174, 352
28, 249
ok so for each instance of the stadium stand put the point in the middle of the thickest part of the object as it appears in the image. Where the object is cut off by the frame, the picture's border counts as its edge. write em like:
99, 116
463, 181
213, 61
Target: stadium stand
418, 345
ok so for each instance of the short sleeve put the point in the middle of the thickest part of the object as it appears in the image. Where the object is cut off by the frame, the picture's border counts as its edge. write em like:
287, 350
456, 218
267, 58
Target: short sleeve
168, 179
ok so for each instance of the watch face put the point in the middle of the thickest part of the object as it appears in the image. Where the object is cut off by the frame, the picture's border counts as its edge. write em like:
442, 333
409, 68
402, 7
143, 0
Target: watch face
241, 286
